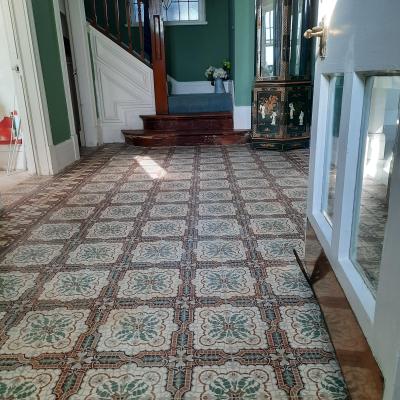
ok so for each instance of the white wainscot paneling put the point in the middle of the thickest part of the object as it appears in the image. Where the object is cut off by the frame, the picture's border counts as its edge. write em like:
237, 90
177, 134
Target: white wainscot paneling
124, 88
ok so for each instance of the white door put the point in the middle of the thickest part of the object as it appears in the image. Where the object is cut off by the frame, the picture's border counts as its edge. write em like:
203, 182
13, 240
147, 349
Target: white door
30, 100
16, 67
354, 196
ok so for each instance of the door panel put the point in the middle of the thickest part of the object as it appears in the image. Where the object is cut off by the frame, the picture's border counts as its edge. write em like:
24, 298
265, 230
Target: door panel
354, 194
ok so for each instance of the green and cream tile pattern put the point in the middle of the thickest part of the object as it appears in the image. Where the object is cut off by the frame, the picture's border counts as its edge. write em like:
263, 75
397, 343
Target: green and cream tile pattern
162, 274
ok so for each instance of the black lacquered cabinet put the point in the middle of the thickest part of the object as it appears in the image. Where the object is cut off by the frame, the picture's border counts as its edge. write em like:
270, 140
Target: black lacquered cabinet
282, 97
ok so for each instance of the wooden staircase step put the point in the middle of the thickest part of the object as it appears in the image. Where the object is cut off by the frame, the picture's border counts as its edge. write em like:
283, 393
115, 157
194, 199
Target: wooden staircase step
154, 138
189, 122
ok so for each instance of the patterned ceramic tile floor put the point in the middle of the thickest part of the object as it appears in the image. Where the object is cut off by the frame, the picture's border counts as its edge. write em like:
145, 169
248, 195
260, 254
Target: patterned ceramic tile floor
163, 273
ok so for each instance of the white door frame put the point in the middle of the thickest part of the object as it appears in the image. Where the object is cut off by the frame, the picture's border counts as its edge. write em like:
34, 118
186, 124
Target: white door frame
79, 39
67, 89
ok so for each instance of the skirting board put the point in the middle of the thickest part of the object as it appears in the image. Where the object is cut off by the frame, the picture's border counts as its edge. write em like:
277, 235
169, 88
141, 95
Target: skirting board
64, 154
113, 134
242, 117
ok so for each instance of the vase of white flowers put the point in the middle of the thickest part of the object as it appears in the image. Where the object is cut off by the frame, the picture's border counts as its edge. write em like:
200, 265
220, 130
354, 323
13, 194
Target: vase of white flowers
219, 76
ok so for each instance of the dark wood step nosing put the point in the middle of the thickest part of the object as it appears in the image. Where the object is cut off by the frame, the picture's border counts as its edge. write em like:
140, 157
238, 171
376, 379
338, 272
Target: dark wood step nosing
155, 139
197, 132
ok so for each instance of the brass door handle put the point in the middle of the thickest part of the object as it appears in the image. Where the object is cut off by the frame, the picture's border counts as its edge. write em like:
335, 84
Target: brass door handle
318, 32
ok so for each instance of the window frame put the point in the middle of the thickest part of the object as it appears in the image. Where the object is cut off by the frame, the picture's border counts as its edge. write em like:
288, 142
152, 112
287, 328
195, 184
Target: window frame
201, 21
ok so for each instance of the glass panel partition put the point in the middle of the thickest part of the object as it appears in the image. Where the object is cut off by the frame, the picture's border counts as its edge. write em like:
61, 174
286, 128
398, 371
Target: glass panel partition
331, 146
379, 146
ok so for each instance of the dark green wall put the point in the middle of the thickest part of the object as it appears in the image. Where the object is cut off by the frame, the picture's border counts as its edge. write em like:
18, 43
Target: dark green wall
46, 32
190, 49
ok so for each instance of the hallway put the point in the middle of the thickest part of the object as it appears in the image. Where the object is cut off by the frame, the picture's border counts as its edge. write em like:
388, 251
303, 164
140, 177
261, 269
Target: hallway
163, 273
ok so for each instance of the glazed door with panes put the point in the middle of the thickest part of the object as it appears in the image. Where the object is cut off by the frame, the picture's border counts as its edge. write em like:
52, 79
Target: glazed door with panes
354, 187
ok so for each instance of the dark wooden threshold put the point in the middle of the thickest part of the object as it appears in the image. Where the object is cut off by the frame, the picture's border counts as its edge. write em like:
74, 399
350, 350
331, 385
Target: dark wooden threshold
360, 370
148, 138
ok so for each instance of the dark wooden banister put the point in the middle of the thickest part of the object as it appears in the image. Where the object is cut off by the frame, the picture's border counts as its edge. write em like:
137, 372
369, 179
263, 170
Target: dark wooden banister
94, 12
141, 33
158, 57
117, 22
105, 5
116, 37
154, 19
128, 8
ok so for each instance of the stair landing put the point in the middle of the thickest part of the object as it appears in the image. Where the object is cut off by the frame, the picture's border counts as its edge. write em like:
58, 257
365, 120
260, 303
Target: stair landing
200, 103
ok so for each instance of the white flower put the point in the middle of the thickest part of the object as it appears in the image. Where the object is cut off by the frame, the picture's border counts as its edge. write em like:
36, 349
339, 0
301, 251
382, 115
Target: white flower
209, 71
220, 73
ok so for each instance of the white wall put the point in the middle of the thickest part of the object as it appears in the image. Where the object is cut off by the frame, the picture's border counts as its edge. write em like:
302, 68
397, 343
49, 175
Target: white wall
7, 89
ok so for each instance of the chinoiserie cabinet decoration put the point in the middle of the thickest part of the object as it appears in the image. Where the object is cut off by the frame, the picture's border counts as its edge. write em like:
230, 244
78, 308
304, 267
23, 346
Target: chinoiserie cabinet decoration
281, 113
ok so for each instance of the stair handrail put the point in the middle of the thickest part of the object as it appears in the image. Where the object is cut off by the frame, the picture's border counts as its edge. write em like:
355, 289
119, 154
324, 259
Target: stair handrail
117, 38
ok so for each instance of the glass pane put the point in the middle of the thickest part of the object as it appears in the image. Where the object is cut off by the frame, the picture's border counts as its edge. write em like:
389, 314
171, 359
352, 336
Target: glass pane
181, 10
297, 35
184, 11
378, 149
194, 11
270, 38
331, 146
135, 12
172, 13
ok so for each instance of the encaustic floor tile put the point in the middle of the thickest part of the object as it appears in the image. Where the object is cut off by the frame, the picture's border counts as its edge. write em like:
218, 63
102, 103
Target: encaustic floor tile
163, 274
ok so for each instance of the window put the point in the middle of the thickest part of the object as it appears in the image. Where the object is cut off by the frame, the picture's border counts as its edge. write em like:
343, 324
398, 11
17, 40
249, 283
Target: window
176, 12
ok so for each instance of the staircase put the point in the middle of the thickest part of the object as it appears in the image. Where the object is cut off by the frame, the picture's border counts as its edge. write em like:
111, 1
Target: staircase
190, 119
186, 130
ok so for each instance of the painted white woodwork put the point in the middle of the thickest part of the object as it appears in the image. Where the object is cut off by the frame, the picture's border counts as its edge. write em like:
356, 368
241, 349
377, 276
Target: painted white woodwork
73, 150
77, 25
242, 117
362, 41
124, 88
64, 153
62, 6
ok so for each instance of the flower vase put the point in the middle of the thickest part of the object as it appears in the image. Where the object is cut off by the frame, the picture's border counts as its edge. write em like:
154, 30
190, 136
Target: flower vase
219, 86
